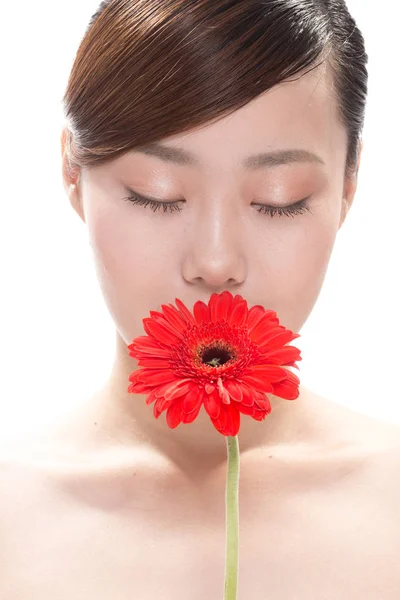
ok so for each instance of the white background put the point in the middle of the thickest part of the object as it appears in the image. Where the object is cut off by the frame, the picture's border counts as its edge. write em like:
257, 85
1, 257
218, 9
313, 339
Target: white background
57, 338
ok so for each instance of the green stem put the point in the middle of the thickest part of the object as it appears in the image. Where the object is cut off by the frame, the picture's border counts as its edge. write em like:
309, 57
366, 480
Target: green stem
232, 518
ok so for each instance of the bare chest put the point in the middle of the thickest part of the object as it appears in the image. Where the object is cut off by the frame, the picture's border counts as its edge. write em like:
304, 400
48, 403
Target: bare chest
325, 542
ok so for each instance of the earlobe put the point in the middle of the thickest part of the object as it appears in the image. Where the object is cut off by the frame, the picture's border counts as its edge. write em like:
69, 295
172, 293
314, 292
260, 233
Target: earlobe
348, 197
71, 178
360, 149
70, 174
343, 214
350, 188
73, 193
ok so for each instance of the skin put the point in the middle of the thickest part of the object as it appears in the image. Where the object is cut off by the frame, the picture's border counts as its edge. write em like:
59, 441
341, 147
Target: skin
217, 242
120, 501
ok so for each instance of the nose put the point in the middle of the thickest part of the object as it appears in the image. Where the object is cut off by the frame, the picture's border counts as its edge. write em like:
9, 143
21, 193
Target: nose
214, 257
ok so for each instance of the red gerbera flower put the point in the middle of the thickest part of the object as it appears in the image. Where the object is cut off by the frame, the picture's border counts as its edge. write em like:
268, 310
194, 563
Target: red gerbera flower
223, 356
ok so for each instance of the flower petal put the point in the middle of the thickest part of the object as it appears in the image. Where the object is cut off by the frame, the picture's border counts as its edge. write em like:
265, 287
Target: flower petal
289, 388
145, 345
189, 418
229, 424
273, 369
261, 380
192, 398
245, 410
234, 389
158, 363
162, 320
159, 407
192, 403
212, 404
151, 398
187, 315
288, 353
293, 364
136, 376
162, 390
219, 306
263, 323
201, 312
174, 317
153, 377
138, 388
239, 314
237, 299
263, 402
270, 332
261, 385
159, 332
177, 389
174, 415
254, 315
233, 421
260, 414
247, 395
220, 422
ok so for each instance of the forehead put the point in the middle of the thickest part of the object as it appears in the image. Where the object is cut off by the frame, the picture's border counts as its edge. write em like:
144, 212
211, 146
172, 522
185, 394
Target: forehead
300, 113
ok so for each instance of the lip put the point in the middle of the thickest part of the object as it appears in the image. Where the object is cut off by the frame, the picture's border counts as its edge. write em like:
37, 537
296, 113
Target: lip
189, 303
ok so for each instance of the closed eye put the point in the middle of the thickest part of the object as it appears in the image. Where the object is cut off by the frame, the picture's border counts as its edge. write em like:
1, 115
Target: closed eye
156, 205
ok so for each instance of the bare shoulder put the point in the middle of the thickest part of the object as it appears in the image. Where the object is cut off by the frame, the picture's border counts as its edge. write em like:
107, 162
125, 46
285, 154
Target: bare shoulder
18, 475
384, 483
12, 457
387, 464
377, 443
369, 433
21, 491
10, 495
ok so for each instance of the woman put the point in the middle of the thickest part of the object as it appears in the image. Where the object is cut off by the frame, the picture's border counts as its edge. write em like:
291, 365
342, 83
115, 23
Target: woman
209, 146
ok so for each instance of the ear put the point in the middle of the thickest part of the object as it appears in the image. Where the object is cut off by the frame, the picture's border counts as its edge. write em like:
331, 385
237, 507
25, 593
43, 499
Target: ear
71, 176
349, 189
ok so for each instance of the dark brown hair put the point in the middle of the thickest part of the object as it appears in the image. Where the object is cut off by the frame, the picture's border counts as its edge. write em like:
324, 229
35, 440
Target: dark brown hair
147, 69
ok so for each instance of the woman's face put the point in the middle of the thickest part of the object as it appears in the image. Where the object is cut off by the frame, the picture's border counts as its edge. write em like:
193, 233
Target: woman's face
218, 240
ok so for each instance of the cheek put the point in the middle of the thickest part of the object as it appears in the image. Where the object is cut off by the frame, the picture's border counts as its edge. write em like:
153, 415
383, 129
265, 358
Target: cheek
109, 241
130, 275
297, 271
123, 246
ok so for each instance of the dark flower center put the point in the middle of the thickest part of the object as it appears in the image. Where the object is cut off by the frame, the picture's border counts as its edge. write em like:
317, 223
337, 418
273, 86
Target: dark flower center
215, 357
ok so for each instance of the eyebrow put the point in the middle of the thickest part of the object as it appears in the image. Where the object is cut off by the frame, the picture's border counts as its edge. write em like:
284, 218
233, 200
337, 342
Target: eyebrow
179, 156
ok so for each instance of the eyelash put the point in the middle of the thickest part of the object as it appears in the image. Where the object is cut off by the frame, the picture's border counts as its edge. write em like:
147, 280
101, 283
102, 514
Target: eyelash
289, 211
